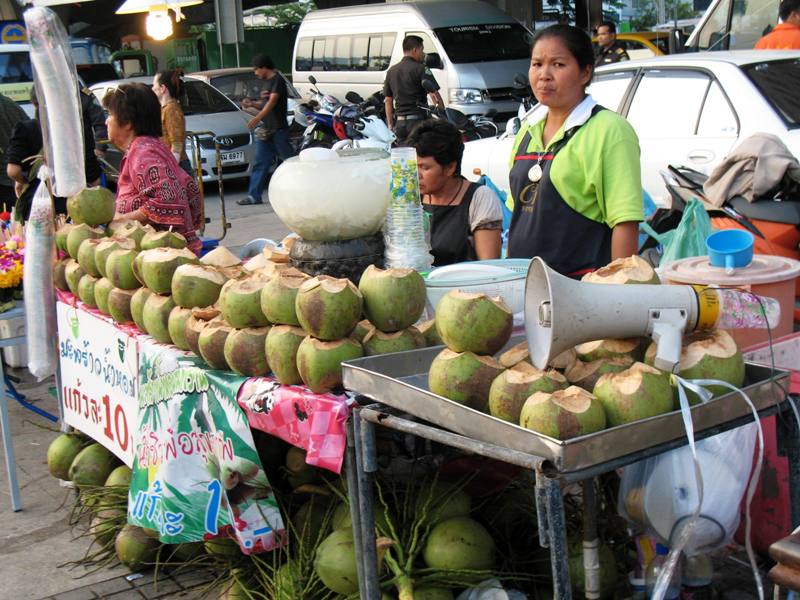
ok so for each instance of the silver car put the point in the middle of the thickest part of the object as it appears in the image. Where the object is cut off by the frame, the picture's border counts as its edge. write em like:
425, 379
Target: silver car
206, 110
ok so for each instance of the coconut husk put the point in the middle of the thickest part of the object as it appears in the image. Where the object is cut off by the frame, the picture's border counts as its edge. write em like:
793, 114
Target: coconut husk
633, 269
221, 257
515, 355
276, 255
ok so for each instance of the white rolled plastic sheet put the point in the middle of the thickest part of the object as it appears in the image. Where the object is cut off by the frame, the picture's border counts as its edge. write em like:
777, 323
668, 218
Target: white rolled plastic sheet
40, 295
59, 103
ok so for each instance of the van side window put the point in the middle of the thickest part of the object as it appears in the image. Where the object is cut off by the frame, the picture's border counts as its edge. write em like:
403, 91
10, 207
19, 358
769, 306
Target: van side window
359, 53
380, 51
318, 55
302, 61
341, 56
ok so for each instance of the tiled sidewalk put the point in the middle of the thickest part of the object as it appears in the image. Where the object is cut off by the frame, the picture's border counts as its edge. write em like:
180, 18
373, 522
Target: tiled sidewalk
183, 584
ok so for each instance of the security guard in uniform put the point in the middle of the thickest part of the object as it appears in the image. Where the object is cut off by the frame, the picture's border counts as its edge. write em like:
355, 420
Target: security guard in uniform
404, 92
609, 50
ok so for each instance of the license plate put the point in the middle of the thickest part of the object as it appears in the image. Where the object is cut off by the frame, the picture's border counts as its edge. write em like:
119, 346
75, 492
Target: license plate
231, 157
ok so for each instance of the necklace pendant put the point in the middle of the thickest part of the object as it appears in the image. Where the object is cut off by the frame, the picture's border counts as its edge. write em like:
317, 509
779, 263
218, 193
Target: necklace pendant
535, 173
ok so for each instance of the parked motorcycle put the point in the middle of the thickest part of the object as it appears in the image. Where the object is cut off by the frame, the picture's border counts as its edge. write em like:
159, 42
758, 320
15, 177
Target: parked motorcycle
474, 127
316, 116
358, 124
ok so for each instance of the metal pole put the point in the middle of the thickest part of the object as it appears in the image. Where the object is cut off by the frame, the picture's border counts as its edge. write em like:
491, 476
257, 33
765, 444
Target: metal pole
364, 438
788, 438
353, 494
8, 447
557, 532
591, 544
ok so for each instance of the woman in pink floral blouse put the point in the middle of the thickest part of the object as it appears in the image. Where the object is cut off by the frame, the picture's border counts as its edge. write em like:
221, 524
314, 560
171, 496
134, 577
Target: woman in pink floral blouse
152, 188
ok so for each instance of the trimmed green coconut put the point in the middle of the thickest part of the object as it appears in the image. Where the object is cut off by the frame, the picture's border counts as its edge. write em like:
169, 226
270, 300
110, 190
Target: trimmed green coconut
77, 234
633, 269
470, 322
102, 290
245, 351
211, 343
512, 387
191, 333
156, 316
394, 299
328, 308
515, 355
93, 206
563, 414
138, 300
119, 305
91, 466
281, 351
86, 255
119, 269
279, 294
73, 274
320, 362
377, 342
60, 275
159, 264
240, 302
630, 348
428, 331
61, 452
135, 548
196, 285
459, 544
637, 393
133, 230
162, 239
106, 246
586, 374
463, 377
362, 329
86, 290
61, 236
564, 360
176, 326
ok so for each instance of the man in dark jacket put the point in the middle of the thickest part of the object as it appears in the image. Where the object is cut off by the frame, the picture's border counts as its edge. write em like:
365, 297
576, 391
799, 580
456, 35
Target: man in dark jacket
609, 49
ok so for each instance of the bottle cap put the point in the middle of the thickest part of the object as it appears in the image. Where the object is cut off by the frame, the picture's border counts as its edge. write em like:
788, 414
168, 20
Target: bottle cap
661, 550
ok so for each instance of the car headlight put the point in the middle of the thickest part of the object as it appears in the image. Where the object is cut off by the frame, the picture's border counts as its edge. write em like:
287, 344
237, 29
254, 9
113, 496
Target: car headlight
465, 96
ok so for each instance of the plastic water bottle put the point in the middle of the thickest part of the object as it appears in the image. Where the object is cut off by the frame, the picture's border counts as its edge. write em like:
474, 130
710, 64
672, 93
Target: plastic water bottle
730, 308
404, 230
654, 570
697, 575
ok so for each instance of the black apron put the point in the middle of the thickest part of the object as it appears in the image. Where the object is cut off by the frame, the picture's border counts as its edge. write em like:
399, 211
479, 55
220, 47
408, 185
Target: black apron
450, 230
544, 225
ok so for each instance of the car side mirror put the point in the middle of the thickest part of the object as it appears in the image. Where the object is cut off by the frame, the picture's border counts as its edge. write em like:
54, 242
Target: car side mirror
434, 61
353, 98
513, 125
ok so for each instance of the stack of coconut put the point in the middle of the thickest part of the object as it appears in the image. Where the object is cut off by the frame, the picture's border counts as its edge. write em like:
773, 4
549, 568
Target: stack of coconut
598, 384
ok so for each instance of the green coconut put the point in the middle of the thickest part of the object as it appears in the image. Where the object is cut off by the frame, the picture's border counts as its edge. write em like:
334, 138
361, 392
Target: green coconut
91, 466
211, 343
223, 546
119, 305
61, 236
564, 360
135, 548
102, 290
240, 303
470, 322
639, 392
513, 386
245, 351
196, 285
281, 351
138, 300
121, 476
428, 592
563, 414
429, 332
60, 275
118, 225
586, 374
156, 316
86, 290
378, 342
176, 326
136, 267
133, 230
335, 562
442, 501
515, 355
631, 349
77, 234
463, 377
459, 544
328, 308
191, 333
93, 206
86, 255
119, 269
319, 362
106, 524
106, 246
279, 294
633, 269
394, 299
608, 569
73, 273
708, 355
159, 264
362, 329
162, 239
61, 453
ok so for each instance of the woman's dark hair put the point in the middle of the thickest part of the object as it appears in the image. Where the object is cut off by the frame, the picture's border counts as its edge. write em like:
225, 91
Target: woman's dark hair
438, 139
172, 81
577, 42
135, 103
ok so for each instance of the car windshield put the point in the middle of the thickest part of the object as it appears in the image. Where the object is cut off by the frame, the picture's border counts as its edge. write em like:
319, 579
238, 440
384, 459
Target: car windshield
773, 79
237, 86
201, 98
485, 43
15, 67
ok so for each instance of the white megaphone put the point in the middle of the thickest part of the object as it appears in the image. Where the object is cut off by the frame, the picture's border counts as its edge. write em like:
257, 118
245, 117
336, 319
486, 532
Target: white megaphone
561, 313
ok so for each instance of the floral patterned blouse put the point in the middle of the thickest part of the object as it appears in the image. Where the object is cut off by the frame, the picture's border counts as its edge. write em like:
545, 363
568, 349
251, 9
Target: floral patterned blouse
150, 180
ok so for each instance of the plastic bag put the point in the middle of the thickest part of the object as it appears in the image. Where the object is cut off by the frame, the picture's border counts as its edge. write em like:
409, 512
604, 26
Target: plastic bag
658, 494
40, 296
491, 589
688, 238
59, 100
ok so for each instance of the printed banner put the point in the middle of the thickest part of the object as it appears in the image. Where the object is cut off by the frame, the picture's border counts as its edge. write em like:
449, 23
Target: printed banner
315, 422
99, 379
196, 472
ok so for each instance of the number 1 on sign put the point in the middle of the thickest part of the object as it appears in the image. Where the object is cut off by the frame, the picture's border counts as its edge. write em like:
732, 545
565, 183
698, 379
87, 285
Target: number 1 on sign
212, 510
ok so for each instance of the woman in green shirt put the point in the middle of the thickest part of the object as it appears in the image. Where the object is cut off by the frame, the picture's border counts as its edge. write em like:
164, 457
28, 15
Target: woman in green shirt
575, 172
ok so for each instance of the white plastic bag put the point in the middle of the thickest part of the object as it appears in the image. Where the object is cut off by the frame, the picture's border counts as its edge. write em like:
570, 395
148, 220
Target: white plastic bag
40, 297
59, 101
491, 589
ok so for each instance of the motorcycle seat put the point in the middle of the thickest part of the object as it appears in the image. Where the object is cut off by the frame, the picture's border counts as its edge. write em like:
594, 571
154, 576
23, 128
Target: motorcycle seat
768, 209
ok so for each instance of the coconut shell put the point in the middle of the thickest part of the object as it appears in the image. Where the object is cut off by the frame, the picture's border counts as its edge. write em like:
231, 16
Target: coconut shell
632, 348
633, 269
60, 275
514, 355
163, 239
191, 333
86, 255
221, 257
475, 323
639, 392
563, 414
159, 264
119, 269
512, 387
586, 374
463, 377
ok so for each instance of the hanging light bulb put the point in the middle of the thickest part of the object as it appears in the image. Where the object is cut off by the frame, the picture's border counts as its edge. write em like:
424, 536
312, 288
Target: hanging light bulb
158, 24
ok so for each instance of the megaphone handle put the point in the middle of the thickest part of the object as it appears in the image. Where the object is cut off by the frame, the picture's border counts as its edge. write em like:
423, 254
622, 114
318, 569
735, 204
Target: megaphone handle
668, 337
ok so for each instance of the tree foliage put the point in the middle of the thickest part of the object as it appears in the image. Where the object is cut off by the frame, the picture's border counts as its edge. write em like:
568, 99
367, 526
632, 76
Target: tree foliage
648, 13
282, 15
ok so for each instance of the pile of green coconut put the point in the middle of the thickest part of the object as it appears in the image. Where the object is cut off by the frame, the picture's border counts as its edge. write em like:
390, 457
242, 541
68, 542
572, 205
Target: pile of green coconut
599, 384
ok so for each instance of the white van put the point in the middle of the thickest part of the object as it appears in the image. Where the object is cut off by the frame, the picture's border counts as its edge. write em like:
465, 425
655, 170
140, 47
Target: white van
481, 49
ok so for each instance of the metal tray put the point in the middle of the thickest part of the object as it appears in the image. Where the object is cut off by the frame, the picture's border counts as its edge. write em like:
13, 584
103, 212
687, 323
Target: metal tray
401, 381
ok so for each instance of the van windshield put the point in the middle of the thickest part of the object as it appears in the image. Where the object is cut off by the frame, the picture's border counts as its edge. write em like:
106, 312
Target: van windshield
485, 43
